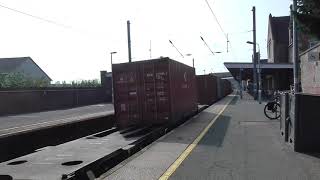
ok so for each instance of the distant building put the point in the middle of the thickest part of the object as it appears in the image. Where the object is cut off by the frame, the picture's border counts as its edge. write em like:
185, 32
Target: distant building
276, 70
25, 66
222, 74
278, 39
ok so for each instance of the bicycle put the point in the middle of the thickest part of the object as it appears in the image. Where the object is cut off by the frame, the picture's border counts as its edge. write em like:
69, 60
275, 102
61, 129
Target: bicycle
272, 109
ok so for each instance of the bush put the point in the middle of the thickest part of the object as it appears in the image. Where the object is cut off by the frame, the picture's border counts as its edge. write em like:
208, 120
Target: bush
18, 80
78, 84
86, 83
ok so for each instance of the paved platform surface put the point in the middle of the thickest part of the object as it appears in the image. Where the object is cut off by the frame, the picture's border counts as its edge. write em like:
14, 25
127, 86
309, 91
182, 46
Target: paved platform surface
152, 162
26, 122
241, 144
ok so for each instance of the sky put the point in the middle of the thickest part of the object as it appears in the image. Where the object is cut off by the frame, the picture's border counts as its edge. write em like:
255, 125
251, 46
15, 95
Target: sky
72, 39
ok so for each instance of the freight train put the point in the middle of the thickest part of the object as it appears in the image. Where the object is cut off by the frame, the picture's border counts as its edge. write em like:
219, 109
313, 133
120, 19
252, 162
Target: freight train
212, 88
161, 92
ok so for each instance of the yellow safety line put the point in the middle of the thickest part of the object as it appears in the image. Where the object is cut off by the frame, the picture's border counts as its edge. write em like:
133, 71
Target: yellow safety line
189, 149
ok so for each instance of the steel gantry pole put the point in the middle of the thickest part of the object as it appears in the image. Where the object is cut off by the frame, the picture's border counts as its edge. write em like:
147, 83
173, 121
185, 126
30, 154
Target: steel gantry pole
240, 82
295, 50
259, 76
112, 98
254, 54
129, 41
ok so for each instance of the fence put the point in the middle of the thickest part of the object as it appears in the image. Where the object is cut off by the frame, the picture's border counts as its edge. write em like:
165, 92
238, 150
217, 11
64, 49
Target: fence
16, 101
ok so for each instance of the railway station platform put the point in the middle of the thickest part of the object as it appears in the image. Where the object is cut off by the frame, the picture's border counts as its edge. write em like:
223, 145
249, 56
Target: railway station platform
231, 139
16, 124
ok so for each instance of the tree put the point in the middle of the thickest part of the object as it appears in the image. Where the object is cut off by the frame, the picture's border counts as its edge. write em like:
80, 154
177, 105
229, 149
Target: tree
308, 16
18, 80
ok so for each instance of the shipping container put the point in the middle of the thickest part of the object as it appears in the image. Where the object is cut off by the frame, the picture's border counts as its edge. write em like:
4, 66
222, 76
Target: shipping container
226, 87
219, 89
153, 92
207, 89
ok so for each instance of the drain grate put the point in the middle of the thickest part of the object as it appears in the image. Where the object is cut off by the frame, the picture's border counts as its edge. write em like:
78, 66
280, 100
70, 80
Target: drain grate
17, 162
71, 163
5, 177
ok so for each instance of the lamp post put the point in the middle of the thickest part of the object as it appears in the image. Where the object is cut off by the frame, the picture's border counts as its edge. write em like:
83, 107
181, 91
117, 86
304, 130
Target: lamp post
114, 52
192, 59
176, 48
217, 52
240, 80
259, 71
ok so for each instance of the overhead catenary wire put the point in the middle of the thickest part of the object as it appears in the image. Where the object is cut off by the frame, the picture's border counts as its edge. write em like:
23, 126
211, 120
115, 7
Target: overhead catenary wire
224, 33
176, 48
207, 45
36, 17
216, 19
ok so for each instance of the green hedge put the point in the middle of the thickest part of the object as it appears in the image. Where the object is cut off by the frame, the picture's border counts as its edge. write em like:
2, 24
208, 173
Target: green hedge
18, 80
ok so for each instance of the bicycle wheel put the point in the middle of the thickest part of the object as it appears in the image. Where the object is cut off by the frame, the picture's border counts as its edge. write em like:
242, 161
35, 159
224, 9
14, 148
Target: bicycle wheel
272, 110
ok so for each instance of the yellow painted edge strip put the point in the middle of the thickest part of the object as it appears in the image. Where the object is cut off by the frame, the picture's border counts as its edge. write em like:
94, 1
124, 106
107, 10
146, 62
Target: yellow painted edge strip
189, 149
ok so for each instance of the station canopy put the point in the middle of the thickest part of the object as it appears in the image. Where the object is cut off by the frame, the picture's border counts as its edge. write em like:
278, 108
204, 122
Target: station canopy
247, 69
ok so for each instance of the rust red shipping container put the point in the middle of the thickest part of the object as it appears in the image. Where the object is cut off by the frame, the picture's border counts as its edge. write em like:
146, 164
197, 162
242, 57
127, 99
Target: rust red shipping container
153, 92
207, 89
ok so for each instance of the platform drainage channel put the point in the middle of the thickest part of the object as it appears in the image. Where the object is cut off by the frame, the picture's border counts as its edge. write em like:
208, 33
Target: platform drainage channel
71, 163
92, 137
248, 123
17, 162
5, 177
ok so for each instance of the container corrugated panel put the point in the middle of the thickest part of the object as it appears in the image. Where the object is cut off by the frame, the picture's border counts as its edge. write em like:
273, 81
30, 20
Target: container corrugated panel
162, 91
226, 87
127, 103
219, 89
207, 89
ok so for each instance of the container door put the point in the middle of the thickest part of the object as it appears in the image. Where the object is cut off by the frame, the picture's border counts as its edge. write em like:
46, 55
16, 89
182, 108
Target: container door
150, 104
163, 92
126, 97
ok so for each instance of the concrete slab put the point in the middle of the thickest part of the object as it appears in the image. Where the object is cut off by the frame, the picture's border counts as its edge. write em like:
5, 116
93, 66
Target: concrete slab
14, 124
57, 161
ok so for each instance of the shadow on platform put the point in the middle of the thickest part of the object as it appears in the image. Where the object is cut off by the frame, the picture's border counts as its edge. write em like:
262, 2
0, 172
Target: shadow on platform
192, 128
216, 134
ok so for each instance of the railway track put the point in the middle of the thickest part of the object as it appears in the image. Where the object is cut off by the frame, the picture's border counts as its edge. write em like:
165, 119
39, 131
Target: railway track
83, 158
